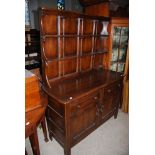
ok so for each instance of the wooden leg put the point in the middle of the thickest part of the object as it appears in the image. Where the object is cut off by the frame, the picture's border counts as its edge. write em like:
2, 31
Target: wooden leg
120, 105
26, 152
121, 99
51, 136
43, 124
67, 151
115, 114
34, 142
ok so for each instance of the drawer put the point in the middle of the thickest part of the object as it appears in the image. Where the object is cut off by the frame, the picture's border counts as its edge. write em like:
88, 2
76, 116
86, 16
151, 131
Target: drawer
110, 88
84, 102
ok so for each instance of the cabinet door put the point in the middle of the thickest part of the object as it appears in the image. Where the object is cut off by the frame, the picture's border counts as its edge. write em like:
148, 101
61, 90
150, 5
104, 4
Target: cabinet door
119, 47
109, 103
84, 118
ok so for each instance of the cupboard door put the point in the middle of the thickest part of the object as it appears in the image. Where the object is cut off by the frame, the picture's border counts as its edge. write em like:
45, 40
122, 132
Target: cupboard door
83, 121
108, 103
120, 35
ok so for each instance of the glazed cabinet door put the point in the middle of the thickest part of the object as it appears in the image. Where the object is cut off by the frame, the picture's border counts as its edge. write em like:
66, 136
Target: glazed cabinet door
119, 48
119, 38
84, 117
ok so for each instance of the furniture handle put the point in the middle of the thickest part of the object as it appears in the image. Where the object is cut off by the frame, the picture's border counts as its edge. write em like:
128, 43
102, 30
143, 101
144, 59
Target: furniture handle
97, 111
95, 98
109, 90
119, 85
102, 108
78, 106
27, 123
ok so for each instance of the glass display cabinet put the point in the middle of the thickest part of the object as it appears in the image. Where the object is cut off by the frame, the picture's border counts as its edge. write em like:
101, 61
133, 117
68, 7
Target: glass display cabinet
119, 36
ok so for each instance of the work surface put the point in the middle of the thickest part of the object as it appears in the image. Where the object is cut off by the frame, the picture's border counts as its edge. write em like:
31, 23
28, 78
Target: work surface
73, 87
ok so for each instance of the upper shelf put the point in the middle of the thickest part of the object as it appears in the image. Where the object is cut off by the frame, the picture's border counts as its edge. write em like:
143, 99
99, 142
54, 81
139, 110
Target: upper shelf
72, 43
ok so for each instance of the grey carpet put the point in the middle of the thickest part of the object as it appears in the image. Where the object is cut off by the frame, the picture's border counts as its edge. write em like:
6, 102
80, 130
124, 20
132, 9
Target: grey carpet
112, 138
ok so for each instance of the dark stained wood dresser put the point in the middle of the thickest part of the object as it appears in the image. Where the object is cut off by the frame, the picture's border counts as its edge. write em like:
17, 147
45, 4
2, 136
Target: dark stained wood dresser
82, 92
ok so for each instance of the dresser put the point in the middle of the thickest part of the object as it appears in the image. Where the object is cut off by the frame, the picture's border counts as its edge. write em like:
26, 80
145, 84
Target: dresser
82, 92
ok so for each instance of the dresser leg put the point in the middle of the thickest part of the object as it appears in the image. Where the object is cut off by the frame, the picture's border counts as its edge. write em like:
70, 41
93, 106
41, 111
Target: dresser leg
43, 124
51, 136
26, 152
67, 151
115, 114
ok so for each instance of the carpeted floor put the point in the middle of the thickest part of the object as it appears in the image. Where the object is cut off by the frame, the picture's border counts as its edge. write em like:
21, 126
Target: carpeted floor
112, 138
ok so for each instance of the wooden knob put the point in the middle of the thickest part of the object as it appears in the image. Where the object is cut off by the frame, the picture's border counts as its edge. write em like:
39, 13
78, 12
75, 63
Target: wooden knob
97, 113
70, 98
109, 90
78, 106
102, 108
27, 123
95, 98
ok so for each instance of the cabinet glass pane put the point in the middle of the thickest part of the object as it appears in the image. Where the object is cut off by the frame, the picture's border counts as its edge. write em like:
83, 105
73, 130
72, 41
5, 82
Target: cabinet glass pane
125, 31
116, 40
116, 30
124, 40
122, 54
119, 48
124, 35
113, 66
120, 67
114, 54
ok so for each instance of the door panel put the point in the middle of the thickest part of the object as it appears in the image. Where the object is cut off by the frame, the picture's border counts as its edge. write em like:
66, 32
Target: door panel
108, 103
83, 120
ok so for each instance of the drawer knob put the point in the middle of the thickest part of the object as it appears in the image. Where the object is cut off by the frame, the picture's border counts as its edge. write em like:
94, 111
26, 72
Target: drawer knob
97, 111
70, 98
109, 90
95, 98
78, 106
102, 108
119, 85
27, 123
